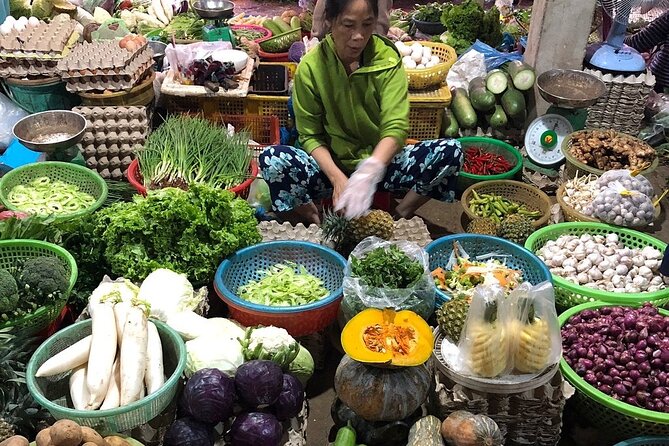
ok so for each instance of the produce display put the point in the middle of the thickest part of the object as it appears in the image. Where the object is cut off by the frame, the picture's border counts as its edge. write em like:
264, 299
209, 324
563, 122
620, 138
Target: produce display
345, 234
68, 432
286, 30
608, 149
468, 21
284, 285
480, 162
386, 268
416, 56
603, 262
430, 12
580, 191
497, 208
211, 74
465, 275
44, 196
622, 352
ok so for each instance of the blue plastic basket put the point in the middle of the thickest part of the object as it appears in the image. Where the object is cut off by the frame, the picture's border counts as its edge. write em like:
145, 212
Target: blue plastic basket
247, 265
645, 441
534, 270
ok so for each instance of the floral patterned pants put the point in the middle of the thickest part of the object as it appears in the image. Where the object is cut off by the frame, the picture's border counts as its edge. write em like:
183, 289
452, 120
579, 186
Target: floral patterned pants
430, 168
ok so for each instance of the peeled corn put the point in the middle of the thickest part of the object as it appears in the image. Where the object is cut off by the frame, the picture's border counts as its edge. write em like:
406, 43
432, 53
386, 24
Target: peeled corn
533, 346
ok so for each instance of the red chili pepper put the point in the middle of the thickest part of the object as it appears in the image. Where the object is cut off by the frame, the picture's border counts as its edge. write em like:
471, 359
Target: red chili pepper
480, 162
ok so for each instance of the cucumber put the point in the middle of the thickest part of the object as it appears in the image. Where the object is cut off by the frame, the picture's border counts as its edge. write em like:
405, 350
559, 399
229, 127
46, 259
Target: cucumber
481, 98
450, 125
498, 119
496, 81
295, 23
463, 110
345, 436
270, 25
281, 24
523, 75
513, 102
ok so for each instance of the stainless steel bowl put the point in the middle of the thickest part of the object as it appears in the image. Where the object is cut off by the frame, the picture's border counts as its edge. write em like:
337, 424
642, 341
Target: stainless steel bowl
571, 89
214, 9
158, 49
50, 131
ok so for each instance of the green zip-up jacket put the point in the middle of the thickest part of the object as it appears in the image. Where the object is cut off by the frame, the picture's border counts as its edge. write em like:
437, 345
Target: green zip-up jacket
351, 114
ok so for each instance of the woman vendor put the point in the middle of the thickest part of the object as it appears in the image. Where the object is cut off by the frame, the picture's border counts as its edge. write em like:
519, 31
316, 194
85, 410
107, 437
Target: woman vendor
350, 99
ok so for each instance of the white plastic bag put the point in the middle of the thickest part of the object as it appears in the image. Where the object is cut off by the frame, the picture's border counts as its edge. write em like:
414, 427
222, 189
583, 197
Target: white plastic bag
637, 183
622, 207
10, 114
466, 68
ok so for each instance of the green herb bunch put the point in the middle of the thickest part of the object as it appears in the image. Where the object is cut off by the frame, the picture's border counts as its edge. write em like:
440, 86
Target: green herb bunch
387, 268
430, 12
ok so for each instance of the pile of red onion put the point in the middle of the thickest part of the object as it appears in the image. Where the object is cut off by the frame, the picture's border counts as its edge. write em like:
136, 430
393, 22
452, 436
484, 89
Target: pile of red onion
623, 352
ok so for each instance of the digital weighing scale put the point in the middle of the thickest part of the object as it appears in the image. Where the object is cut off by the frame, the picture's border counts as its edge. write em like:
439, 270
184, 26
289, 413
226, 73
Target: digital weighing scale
571, 92
218, 11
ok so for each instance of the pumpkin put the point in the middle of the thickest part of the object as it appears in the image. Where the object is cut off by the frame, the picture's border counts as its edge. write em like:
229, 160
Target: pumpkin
463, 428
382, 394
426, 432
388, 338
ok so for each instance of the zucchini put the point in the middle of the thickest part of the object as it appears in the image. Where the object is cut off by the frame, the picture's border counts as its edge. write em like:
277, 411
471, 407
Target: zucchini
295, 23
497, 119
345, 436
522, 75
513, 102
281, 24
463, 110
269, 24
481, 98
496, 81
450, 125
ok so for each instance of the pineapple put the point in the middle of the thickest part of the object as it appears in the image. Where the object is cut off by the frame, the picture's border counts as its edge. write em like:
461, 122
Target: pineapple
6, 430
452, 315
487, 353
533, 342
516, 228
485, 226
346, 234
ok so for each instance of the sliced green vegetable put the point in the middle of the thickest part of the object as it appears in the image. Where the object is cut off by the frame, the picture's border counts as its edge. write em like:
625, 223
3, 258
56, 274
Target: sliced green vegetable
42, 196
283, 285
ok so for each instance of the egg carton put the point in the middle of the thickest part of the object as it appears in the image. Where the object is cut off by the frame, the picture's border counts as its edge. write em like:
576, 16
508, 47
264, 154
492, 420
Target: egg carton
100, 57
112, 114
110, 161
115, 124
16, 68
45, 40
117, 82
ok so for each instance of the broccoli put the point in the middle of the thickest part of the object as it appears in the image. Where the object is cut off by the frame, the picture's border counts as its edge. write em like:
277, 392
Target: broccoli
43, 278
9, 292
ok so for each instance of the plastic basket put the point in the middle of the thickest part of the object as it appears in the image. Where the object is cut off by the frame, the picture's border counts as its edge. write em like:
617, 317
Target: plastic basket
436, 75
273, 57
574, 167
622, 420
533, 198
270, 79
568, 294
534, 270
41, 95
265, 105
426, 112
429, 28
645, 441
497, 147
280, 43
266, 33
206, 105
12, 254
86, 179
247, 264
53, 394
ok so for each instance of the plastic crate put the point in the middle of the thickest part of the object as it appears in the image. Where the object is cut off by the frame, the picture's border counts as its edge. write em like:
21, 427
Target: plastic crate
264, 129
270, 79
208, 106
264, 105
426, 112
645, 441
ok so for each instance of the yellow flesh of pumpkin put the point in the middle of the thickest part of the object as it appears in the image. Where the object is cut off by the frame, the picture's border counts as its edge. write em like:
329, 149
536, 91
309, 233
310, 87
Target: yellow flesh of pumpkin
400, 339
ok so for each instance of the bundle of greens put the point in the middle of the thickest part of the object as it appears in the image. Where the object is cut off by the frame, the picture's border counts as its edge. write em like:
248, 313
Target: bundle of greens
186, 150
387, 268
430, 12
467, 22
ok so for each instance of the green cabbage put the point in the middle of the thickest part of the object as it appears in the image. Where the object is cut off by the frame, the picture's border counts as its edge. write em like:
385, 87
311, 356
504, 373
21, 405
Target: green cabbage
302, 366
213, 352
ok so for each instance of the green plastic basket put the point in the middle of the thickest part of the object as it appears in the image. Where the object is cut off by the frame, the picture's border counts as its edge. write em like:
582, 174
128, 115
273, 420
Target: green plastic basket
12, 254
608, 414
491, 145
86, 179
53, 394
568, 294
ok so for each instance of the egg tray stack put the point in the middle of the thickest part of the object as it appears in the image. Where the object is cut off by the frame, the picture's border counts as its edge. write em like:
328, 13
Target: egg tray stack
103, 65
37, 50
112, 138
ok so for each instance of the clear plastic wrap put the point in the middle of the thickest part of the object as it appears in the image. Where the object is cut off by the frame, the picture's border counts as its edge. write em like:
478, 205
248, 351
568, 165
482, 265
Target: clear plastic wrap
637, 183
358, 295
10, 114
535, 341
485, 341
622, 207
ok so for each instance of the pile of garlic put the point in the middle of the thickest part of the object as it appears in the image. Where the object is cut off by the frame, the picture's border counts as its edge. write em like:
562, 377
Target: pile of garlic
580, 191
416, 56
604, 263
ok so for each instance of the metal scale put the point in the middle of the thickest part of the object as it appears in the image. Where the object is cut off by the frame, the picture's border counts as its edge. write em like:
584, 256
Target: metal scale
571, 92
217, 12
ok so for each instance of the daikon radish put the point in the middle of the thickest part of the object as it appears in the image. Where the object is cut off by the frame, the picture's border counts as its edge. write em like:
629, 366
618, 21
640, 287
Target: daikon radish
68, 359
102, 354
155, 374
78, 389
133, 355
120, 314
159, 12
113, 396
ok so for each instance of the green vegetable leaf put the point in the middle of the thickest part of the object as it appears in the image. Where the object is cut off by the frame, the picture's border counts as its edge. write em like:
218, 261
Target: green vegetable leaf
387, 268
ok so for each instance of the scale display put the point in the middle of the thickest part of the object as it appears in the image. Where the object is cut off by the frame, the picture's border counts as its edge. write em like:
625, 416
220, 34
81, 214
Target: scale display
544, 138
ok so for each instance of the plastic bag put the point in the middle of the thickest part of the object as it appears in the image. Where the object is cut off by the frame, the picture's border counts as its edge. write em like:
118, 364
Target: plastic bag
180, 56
486, 336
10, 114
358, 296
493, 58
637, 183
535, 341
111, 29
619, 206
259, 196
466, 68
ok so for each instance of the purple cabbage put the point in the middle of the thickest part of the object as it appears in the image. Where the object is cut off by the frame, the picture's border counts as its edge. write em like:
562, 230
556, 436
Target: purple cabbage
189, 432
209, 396
290, 400
259, 383
255, 429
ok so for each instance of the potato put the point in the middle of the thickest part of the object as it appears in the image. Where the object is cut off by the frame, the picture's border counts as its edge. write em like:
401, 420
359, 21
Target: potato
16, 440
114, 440
89, 435
43, 437
66, 433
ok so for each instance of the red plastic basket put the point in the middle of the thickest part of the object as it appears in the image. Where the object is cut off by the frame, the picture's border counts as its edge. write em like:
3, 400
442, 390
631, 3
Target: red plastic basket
273, 57
266, 32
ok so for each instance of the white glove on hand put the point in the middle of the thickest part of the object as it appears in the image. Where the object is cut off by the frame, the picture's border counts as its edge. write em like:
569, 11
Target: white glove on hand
360, 188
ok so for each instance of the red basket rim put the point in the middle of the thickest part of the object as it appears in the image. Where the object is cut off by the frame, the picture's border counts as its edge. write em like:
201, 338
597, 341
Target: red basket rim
133, 178
268, 33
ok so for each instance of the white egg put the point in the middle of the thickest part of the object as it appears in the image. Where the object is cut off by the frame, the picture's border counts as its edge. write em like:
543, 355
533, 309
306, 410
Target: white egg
417, 47
407, 59
417, 56
9, 20
5, 28
427, 52
411, 65
430, 64
23, 19
420, 66
434, 59
33, 21
424, 60
405, 50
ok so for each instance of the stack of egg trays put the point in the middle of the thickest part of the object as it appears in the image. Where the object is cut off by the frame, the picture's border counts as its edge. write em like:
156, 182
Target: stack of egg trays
37, 49
104, 65
112, 138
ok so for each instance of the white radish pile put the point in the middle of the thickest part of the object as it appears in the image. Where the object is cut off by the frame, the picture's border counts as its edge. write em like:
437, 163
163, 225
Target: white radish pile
417, 56
11, 24
118, 364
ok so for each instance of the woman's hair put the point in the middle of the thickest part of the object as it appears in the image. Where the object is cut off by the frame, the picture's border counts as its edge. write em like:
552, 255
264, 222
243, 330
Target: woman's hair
333, 8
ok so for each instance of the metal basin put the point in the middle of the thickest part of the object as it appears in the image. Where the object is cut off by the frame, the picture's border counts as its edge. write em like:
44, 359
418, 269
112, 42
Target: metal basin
50, 130
571, 89
214, 9
158, 49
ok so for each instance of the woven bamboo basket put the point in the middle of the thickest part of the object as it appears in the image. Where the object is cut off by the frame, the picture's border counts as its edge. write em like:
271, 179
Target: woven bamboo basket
571, 214
436, 75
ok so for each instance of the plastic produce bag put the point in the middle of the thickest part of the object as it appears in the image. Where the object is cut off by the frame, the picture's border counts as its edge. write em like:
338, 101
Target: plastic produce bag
486, 336
493, 58
535, 341
466, 68
10, 114
637, 183
358, 295
111, 29
619, 206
